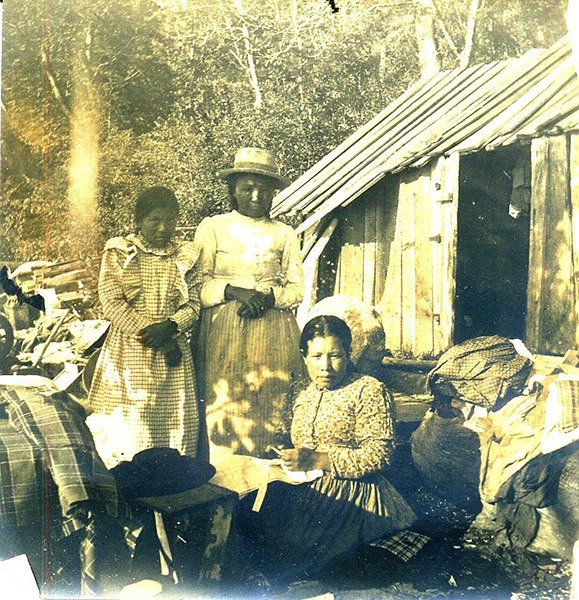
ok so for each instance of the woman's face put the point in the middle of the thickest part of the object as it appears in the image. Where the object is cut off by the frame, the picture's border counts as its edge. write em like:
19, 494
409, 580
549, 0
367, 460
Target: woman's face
254, 195
327, 362
158, 227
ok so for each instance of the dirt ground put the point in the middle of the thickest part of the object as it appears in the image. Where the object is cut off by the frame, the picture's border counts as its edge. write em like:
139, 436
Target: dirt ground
455, 563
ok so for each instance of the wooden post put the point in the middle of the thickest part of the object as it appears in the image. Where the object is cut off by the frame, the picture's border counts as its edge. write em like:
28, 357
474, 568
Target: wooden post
449, 213
551, 316
574, 204
539, 182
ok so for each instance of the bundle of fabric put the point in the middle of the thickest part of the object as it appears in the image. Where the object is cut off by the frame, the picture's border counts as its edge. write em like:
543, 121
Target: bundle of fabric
486, 371
470, 378
447, 455
51, 473
529, 466
504, 429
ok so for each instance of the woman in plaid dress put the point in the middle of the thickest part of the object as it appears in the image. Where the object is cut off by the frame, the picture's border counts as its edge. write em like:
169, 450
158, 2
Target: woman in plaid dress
143, 390
248, 352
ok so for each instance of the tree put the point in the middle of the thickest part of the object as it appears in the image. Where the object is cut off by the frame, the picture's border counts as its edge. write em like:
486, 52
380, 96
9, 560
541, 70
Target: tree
168, 89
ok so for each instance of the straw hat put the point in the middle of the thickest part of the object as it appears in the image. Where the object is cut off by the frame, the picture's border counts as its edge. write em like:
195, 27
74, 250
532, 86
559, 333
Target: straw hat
255, 160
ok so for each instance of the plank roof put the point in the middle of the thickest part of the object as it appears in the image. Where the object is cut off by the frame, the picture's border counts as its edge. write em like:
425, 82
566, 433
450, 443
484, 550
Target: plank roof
464, 110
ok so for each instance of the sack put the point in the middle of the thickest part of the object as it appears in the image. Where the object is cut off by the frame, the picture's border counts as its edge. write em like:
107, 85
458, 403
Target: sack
159, 472
487, 371
447, 455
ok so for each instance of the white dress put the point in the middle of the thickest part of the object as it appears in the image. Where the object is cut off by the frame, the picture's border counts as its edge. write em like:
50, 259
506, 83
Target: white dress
245, 366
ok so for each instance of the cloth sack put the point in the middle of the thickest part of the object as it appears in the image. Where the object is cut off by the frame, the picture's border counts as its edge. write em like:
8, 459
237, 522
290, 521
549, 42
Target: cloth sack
159, 472
447, 456
486, 371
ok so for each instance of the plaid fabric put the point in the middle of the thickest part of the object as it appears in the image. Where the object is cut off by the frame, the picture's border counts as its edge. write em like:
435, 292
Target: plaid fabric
23, 481
562, 413
481, 371
150, 403
48, 437
567, 391
403, 544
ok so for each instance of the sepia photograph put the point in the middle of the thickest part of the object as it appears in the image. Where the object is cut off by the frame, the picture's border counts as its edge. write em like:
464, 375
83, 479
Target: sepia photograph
289, 299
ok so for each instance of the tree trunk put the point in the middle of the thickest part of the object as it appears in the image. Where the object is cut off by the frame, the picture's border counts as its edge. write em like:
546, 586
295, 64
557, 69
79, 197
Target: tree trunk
470, 32
249, 55
427, 50
83, 167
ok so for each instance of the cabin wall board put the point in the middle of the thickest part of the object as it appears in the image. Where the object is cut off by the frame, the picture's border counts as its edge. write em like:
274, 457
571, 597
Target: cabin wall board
351, 281
407, 215
551, 314
417, 305
574, 204
369, 246
423, 341
367, 228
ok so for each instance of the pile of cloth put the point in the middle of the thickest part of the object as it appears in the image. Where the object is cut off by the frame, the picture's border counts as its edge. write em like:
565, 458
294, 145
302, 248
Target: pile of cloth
504, 432
51, 474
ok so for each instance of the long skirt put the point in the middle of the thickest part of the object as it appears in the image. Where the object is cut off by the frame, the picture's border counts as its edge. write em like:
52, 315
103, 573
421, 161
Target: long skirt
245, 367
301, 529
139, 402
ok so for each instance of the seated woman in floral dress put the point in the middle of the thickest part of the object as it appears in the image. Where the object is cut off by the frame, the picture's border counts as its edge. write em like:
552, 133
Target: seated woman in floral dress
342, 423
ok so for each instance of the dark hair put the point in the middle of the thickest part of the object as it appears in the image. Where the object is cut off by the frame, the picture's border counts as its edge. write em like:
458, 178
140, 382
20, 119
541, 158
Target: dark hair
324, 326
154, 197
232, 180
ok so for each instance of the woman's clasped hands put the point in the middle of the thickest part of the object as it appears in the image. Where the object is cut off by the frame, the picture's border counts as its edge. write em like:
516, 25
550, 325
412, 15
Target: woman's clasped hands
160, 337
158, 334
253, 304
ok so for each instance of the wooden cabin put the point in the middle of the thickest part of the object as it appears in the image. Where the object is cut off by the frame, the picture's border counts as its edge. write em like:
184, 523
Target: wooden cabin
455, 211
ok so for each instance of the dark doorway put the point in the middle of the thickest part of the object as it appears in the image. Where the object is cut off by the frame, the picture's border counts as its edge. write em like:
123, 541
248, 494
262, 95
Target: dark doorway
492, 245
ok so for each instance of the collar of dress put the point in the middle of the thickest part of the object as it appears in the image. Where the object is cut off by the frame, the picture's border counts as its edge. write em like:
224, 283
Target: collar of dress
141, 244
244, 219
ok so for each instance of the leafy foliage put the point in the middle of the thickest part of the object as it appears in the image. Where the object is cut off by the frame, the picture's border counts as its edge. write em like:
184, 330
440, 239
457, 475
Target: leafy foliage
174, 84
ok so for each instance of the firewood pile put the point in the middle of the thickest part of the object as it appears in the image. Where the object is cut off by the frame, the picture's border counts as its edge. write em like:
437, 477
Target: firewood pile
49, 318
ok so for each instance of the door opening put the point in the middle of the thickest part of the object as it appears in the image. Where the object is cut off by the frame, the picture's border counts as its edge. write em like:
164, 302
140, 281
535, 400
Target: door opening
492, 250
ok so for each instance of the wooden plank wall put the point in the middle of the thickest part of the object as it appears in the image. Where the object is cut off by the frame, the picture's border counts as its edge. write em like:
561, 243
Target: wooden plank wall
367, 230
574, 192
417, 306
552, 323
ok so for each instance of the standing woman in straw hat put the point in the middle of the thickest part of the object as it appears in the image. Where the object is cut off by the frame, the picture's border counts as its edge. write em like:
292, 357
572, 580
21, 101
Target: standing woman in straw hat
248, 347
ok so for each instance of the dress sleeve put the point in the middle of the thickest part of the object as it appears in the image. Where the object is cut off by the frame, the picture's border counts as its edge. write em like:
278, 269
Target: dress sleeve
188, 313
374, 433
292, 293
115, 307
212, 289
283, 430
